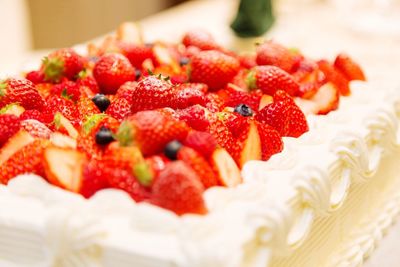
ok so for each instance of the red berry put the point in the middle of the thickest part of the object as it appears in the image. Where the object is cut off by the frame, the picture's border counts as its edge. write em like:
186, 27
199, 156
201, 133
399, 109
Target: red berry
349, 67
271, 53
119, 109
9, 125
22, 91
202, 142
136, 53
112, 71
179, 189
36, 129
62, 63
195, 116
36, 76
213, 68
201, 39
271, 140
67, 89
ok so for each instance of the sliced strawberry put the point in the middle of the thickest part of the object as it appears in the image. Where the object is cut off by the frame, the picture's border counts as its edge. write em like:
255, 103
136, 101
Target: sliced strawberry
14, 144
64, 167
196, 117
226, 168
327, 98
271, 140
36, 129
335, 76
349, 67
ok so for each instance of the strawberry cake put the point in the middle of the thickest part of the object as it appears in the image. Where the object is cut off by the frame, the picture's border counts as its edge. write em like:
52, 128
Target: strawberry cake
193, 155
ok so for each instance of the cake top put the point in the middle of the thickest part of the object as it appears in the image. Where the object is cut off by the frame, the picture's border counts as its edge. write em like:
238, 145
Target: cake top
163, 122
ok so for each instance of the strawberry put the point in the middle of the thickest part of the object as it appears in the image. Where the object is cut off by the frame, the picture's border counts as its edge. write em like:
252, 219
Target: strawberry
13, 109
179, 189
33, 114
214, 102
67, 89
200, 166
136, 53
93, 178
36, 128
349, 67
235, 97
157, 163
271, 141
151, 131
65, 106
201, 39
62, 63
44, 89
247, 61
119, 109
219, 130
202, 142
14, 144
326, 99
152, 93
213, 68
271, 53
236, 123
195, 116
36, 76
270, 79
86, 108
335, 76
9, 125
284, 115
189, 94
63, 167
89, 82
21, 91
26, 160
126, 91
112, 71
224, 166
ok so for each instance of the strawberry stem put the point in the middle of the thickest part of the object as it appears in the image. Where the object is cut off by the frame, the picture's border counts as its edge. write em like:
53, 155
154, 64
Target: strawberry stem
124, 134
53, 69
91, 122
3, 87
251, 80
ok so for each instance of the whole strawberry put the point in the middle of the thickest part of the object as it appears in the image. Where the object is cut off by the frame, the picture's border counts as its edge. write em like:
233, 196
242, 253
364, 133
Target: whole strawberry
151, 131
136, 53
195, 116
189, 94
270, 79
179, 189
112, 71
201, 39
271, 53
65, 106
22, 91
151, 93
62, 63
213, 68
202, 142
67, 89
120, 108
9, 125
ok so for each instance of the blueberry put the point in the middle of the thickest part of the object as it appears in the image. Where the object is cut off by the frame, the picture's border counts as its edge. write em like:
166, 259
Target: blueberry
171, 149
101, 101
138, 73
244, 110
184, 61
104, 136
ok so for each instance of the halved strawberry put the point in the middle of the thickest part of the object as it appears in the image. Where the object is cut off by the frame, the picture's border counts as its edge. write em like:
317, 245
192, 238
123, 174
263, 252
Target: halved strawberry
26, 160
349, 67
327, 98
202, 142
64, 167
335, 76
196, 117
9, 125
14, 109
63, 125
225, 167
36, 129
14, 144
271, 140
248, 146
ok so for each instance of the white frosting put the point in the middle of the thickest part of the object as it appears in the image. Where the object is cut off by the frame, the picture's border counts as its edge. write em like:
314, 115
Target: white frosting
269, 216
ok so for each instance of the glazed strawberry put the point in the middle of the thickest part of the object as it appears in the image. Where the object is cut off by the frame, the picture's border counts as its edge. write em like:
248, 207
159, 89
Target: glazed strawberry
126, 91
213, 68
284, 115
189, 94
349, 67
22, 91
62, 63
196, 117
200, 166
179, 189
36, 128
112, 71
33, 114
86, 108
201, 39
36, 76
270, 79
271, 53
67, 89
151, 131
271, 141
9, 125
214, 102
334, 76
202, 142
26, 160
136, 53
119, 109
152, 93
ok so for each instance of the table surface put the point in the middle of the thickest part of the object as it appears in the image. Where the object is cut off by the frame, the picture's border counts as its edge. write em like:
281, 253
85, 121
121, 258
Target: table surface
319, 30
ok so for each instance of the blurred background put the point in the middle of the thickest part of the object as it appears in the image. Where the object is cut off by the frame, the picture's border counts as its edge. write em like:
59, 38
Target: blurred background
42, 24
